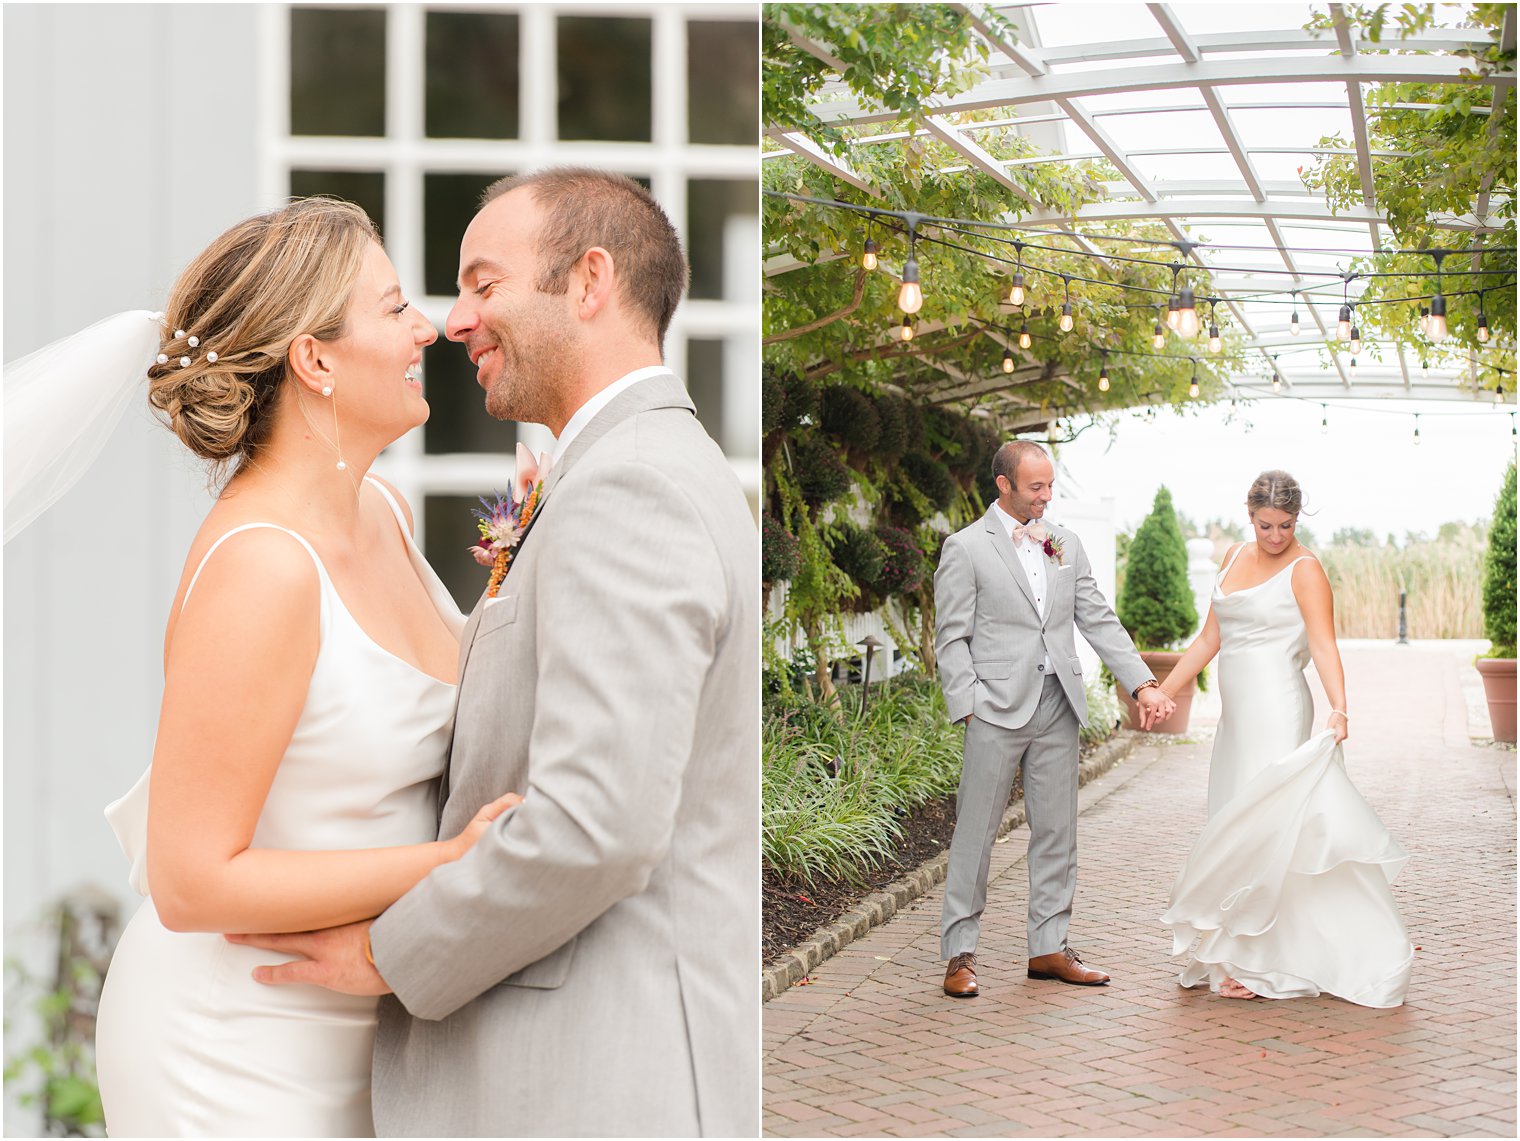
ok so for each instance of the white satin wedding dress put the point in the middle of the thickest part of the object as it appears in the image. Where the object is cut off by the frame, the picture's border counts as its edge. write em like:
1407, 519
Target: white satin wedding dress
187, 1044
1287, 889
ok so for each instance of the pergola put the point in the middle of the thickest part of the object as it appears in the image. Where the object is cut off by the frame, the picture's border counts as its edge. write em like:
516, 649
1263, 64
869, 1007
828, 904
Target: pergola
1207, 112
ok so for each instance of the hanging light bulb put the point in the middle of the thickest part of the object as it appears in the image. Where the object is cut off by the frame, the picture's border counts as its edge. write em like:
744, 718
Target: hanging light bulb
1214, 342
910, 298
1356, 340
1187, 314
1276, 381
1499, 393
1025, 340
907, 330
1103, 373
868, 256
1016, 293
1066, 319
1173, 312
1193, 384
1482, 321
1324, 419
1293, 320
1424, 319
1435, 329
1353, 368
1343, 324
1417, 429
1158, 334
1007, 360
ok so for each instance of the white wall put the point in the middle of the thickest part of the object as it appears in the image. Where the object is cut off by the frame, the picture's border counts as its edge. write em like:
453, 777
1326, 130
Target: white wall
130, 141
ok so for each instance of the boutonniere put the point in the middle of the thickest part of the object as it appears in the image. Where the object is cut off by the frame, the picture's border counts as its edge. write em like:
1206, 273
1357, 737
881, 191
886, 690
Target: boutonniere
505, 520
1055, 549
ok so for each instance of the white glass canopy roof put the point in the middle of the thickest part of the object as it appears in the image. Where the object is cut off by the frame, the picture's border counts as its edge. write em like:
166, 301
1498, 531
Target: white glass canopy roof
1208, 112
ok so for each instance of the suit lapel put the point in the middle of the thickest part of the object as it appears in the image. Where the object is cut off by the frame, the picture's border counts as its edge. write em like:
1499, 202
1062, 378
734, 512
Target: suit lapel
653, 392
1000, 540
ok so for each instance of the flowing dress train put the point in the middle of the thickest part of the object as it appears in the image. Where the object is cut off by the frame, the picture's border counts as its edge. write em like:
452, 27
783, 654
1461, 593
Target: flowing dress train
1287, 889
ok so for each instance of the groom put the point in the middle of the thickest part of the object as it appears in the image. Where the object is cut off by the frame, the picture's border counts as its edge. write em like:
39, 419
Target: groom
588, 967
1009, 590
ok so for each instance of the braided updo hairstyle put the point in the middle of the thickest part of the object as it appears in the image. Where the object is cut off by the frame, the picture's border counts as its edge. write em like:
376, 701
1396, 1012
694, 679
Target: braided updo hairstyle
239, 305
1275, 489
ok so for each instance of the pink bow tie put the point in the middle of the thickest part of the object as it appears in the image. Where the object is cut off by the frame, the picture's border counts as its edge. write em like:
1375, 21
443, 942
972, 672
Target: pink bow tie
1034, 531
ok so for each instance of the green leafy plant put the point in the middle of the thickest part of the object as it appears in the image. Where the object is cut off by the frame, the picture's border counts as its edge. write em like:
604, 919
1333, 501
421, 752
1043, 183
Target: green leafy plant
903, 570
778, 551
1156, 605
1499, 572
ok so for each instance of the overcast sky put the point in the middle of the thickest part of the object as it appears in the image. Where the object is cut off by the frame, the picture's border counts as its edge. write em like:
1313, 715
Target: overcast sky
1364, 472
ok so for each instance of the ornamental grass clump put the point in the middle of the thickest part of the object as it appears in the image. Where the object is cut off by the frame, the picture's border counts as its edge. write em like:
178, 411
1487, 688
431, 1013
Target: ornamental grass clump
1156, 605
892, 413
1499, 573
834, 793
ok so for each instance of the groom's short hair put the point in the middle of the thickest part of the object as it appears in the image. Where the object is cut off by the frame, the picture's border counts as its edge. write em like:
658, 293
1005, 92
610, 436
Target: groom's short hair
1007, 458
585, 207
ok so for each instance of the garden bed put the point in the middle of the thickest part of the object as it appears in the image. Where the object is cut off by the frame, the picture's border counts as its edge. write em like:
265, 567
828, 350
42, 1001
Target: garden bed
792, 912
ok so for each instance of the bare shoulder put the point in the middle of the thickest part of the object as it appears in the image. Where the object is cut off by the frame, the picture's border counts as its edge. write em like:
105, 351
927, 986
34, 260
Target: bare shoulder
1309, 575
253, 576
406, 508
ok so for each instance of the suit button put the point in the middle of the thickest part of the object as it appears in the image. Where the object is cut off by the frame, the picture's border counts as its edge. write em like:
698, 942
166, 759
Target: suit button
1040, 668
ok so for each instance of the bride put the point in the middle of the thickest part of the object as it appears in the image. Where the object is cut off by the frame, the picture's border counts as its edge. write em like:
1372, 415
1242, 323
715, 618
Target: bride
309, 664
1286, 893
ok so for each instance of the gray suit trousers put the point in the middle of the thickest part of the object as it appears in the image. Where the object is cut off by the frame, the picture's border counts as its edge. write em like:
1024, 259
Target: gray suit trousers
1047, 748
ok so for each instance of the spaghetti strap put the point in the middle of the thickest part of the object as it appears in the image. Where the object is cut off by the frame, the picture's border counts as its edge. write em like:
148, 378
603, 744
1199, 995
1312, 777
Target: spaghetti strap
1224, 570
321, 572
391, 499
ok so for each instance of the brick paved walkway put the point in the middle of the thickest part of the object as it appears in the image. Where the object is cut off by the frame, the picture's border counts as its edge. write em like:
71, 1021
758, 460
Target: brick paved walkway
872, 1047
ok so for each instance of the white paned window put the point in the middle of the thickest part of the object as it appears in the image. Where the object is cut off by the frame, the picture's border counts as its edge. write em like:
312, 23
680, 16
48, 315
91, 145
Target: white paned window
411, 110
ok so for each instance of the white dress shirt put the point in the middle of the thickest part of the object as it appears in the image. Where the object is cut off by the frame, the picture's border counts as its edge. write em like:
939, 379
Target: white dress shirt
599, 400
1032, 559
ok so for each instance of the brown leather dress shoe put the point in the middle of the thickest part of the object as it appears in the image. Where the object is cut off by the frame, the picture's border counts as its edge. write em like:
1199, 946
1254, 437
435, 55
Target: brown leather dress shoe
960, 976
1065, 966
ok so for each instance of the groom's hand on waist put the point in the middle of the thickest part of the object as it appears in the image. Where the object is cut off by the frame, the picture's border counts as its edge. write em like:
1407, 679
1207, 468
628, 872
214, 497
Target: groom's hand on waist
337, 958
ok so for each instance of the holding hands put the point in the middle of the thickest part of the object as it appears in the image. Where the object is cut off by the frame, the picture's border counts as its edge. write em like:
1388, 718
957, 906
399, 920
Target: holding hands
1155, 706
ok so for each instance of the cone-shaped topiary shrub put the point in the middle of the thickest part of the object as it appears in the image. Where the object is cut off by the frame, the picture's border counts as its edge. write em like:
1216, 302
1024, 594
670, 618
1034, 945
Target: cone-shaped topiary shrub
1499, 572
859, 553
1156, 606
892, 412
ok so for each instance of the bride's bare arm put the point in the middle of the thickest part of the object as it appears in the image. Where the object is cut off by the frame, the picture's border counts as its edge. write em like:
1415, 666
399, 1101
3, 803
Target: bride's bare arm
1316, 602
236, 673
1198, 654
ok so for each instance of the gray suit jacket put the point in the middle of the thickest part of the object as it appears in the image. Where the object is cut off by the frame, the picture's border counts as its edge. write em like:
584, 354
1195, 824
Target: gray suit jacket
990, 639
589, 967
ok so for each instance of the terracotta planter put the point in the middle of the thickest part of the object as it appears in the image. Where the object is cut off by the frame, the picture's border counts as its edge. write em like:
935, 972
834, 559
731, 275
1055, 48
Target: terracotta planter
1161, 663
1499, 687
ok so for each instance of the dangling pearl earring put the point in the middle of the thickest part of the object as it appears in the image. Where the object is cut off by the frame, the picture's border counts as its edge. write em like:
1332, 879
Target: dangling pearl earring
337, 440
